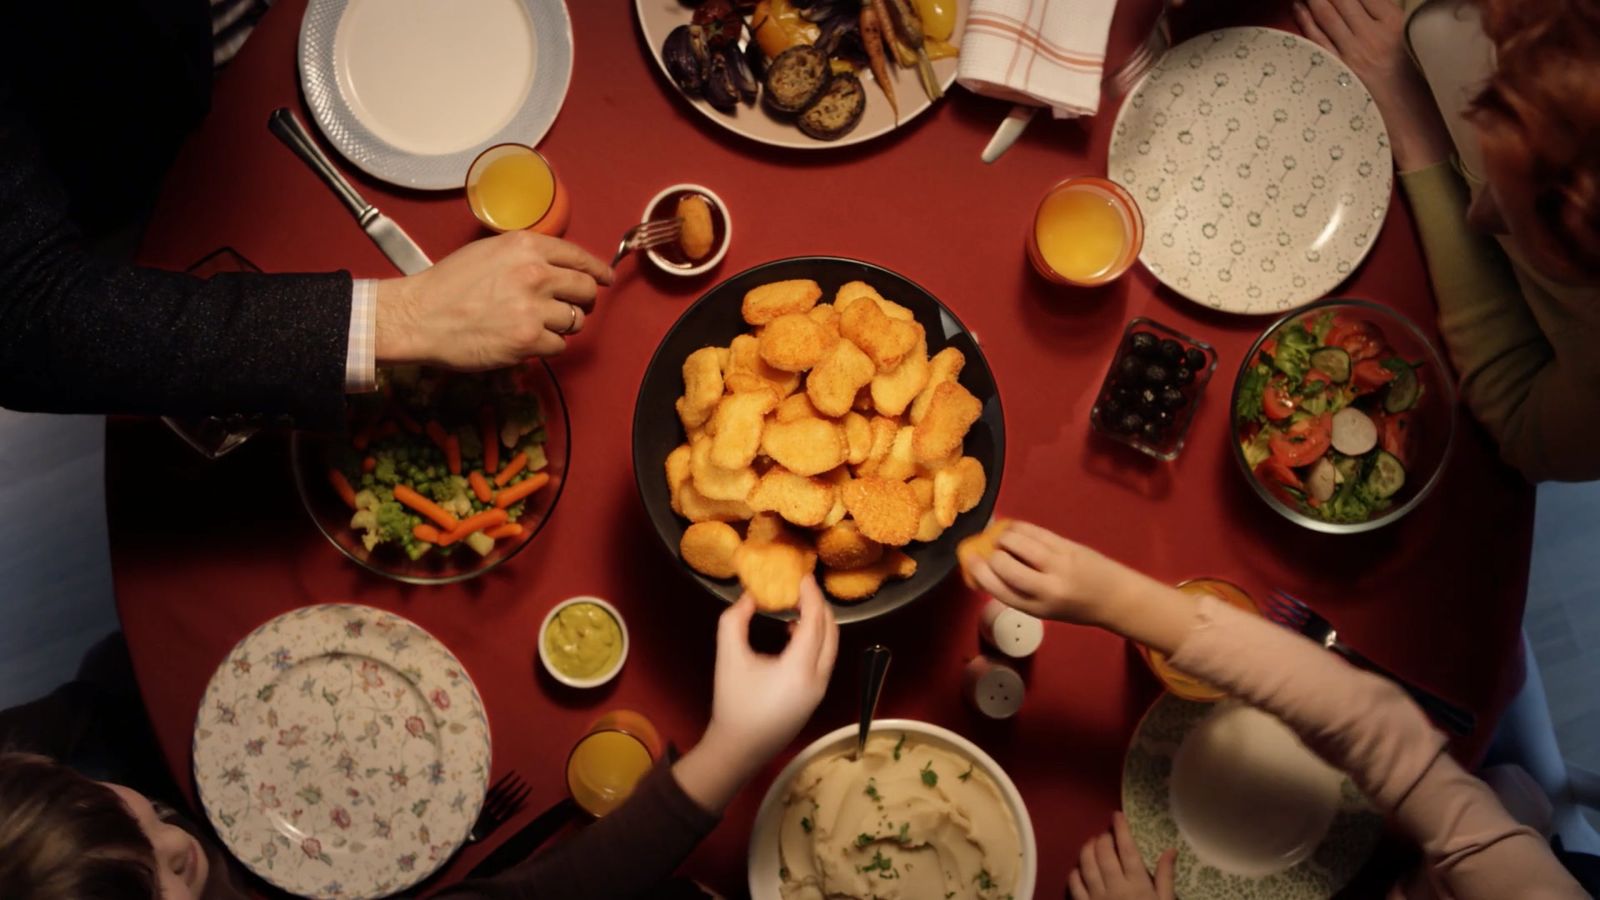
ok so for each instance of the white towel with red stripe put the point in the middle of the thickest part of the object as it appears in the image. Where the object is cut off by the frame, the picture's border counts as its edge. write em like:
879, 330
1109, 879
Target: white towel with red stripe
1037, 52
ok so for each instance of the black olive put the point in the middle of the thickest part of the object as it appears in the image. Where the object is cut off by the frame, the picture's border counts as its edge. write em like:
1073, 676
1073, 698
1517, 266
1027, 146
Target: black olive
1183, 375
1164, 418
1195, 358
1125, 395
1130, 369
1142, 343
1111, 409
1149, 401
1171, 350
1131, 423
1157, 374
1172, 398
1152, 431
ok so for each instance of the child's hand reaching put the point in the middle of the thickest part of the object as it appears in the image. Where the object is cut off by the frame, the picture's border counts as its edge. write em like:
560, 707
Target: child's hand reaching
1044, 574
1109, 868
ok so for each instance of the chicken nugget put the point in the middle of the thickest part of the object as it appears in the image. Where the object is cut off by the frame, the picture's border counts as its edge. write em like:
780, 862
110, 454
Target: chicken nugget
899, 464
799, 500
838, 478
971, 482
850, 292
929, 529
709, 548
924, 489
950, 415
893, 391
792, 343
748, 373
834, 382
804, 446
980, 546
860, 583
678, 466
765, 526
770, 572
844, 547
946, 365
736, 428
766, 302
795, 406
702, 386
885, 511
884, 431
885, 341
827, 315
935, 466
714, 482
857, 437
697, 507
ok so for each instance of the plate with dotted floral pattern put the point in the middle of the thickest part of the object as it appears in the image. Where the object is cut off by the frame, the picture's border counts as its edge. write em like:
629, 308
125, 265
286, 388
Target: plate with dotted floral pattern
341, 751
1261, 166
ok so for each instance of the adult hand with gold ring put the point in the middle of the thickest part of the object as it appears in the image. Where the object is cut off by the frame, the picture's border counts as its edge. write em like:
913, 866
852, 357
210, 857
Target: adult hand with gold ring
493, 303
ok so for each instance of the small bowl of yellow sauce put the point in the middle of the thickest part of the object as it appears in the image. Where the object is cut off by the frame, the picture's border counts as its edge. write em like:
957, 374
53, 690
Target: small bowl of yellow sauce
583, 642
1086, 232
1183, 684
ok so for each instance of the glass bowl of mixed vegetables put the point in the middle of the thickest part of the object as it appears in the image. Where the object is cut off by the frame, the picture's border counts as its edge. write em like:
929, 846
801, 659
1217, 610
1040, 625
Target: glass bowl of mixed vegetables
441, 476
1343, 416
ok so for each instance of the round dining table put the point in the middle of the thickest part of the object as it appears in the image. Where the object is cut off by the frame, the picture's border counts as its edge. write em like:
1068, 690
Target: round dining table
205, 551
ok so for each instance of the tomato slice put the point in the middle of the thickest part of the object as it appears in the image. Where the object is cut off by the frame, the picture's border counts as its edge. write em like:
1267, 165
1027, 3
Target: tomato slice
1277, 478
1357, 337
1370, 375
1317, 377
1276, 402
1303, 442
1394, 435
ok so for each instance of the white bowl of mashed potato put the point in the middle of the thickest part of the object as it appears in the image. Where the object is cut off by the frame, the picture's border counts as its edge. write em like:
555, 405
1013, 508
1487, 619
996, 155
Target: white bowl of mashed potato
923, 814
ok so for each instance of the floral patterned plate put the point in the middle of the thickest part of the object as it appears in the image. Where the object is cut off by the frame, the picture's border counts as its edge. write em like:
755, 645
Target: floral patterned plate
341, 751
1352, 828
1261, 167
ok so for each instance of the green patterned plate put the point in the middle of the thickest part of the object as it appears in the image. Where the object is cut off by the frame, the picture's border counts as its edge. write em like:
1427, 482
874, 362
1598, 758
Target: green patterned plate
1147, 802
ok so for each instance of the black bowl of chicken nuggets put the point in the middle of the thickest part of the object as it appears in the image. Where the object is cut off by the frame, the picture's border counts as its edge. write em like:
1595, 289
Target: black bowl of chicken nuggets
824, 415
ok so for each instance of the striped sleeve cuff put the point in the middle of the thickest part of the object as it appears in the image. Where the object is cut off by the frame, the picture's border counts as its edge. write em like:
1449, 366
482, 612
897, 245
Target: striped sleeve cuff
361, 353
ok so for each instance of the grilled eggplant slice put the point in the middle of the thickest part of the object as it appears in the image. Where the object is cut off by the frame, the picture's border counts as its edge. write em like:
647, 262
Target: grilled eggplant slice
796, 78
836, 111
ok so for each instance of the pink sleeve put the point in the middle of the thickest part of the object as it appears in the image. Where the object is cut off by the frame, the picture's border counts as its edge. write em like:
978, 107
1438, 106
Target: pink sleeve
1367, 727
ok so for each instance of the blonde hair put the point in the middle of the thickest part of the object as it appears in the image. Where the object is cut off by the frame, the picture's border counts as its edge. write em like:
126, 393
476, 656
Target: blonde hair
65, 837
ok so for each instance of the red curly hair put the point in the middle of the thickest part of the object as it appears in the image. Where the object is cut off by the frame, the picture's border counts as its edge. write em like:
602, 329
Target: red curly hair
1538, 120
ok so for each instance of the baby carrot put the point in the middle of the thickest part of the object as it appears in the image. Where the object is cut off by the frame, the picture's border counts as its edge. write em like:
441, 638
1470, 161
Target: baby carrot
452, 453
516, 465
341, 485
489, 518
425, 532
490, 433
480, 486
509, 529
435, 432
427, 507
368, 464
521, 489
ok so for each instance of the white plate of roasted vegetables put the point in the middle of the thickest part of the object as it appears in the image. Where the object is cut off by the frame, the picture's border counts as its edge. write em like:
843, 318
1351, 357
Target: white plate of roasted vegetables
806, 73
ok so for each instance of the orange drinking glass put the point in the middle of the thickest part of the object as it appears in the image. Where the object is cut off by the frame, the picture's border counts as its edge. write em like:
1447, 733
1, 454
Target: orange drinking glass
511, 187
1086, 232
1181, 683
611, 759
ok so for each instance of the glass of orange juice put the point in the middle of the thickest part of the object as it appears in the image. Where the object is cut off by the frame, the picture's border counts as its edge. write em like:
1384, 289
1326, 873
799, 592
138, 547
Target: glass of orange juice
1086, 232
511, 187
611, 759
1181, 683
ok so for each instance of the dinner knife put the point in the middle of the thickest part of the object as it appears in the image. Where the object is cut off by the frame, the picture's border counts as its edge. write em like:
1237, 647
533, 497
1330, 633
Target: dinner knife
521, 845
390, 238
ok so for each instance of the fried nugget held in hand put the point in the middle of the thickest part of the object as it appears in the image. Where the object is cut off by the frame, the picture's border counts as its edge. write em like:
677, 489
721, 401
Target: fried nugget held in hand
807, 447
834, 382
710, 547
885, 511
771, 572
852, 585
793, 343
978, 548
766, 302
950, 415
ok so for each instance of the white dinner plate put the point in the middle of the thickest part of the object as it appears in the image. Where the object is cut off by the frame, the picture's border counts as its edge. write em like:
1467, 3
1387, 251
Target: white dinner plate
341, 751
1251, 811
411, 91
1261, 167
657, 18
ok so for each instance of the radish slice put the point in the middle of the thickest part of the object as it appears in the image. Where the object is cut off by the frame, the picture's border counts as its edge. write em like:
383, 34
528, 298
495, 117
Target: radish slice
1354, 432
1322, 480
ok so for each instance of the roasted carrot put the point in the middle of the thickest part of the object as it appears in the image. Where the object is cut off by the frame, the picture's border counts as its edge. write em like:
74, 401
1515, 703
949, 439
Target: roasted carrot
368, 464
452, 454
873, 39
341, 486
480, 486
509, 529
435, 432
421, 504
489, 431
517, 464
425, 532
489, 518
521, 489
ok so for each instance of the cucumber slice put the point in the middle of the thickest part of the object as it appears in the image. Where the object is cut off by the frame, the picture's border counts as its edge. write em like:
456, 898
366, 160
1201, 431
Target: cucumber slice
1404, 391
1332, 362
1387, 476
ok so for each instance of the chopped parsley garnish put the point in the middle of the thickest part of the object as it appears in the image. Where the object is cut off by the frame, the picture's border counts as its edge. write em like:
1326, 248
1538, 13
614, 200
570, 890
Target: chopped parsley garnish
872, 788
864, 839
929, 776
949, 894
898, 744
905, 833
984, 879
805, 825
881, 865
783, 874
967, 774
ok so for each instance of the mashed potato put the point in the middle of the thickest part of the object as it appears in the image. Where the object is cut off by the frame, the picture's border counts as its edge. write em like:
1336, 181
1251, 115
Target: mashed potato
910, 820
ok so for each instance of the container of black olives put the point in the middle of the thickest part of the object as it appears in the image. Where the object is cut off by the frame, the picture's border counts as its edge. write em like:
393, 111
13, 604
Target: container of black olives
1152, 388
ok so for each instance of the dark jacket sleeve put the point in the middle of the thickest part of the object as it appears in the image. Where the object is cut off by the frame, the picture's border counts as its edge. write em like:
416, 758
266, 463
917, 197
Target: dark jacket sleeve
653, 832
80, 335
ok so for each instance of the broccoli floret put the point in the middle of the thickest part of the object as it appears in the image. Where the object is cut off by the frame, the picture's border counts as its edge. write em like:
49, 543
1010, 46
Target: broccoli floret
394, 523
385, 473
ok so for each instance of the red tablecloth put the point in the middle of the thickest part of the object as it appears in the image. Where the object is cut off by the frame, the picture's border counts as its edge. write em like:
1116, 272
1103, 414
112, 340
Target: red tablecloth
204, 553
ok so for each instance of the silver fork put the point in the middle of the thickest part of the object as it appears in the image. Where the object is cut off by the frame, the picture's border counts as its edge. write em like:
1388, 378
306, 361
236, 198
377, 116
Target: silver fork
646, 235
1158, 42
504, 800
1288, 611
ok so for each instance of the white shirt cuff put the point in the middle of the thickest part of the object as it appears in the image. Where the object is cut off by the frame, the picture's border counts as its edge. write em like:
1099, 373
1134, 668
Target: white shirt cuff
361, 352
